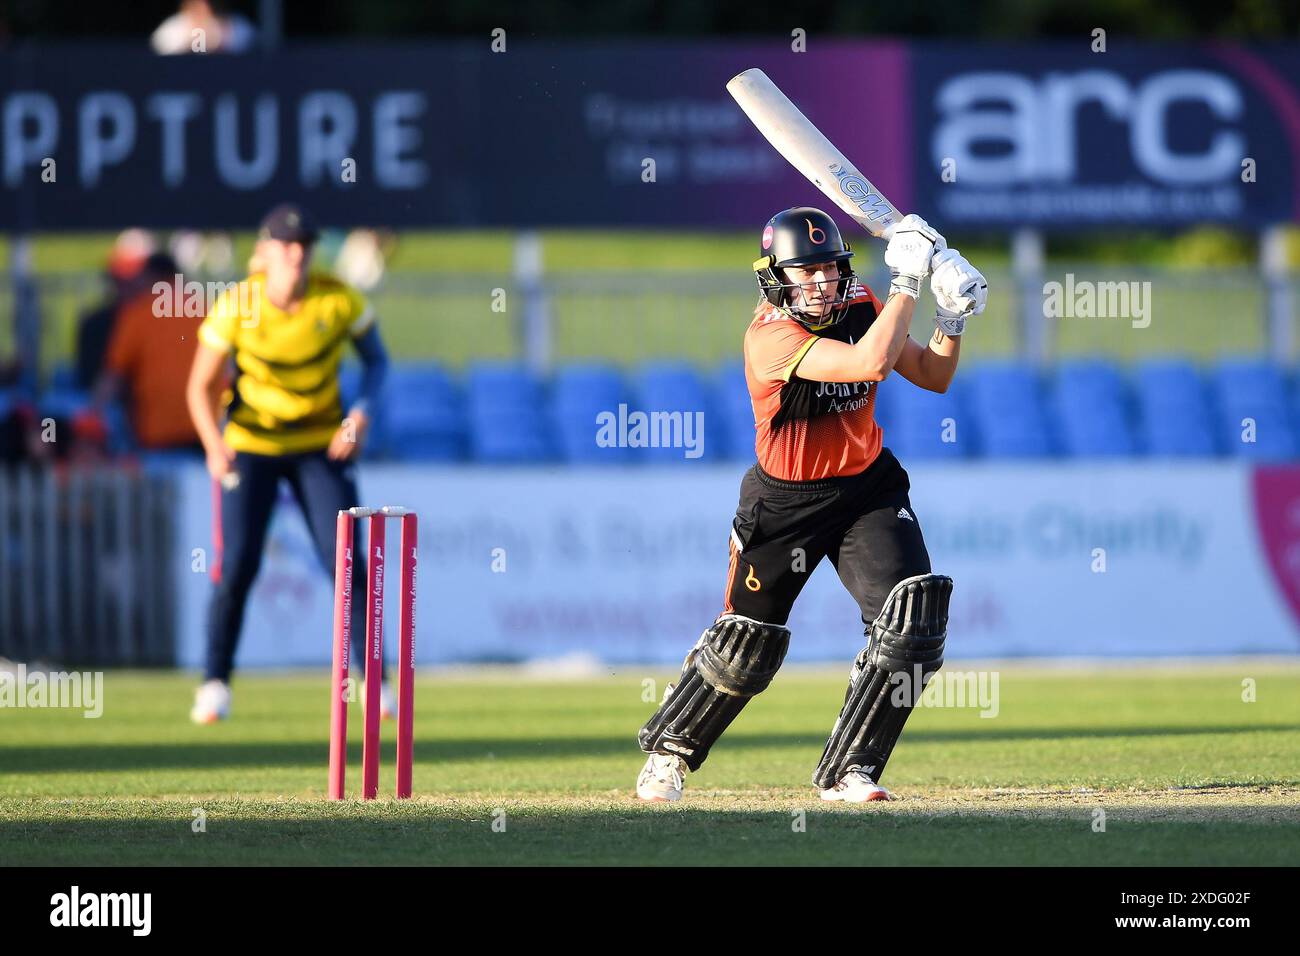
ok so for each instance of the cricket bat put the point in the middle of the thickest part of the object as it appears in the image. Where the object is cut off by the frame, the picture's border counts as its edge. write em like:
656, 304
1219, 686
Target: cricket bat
811, 153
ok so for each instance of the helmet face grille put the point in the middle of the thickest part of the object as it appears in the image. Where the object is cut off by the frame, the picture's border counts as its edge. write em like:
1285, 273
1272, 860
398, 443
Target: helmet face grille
802, 236
788, 297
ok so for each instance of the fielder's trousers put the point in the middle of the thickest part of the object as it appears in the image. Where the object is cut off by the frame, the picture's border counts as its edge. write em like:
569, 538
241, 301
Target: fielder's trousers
321, 487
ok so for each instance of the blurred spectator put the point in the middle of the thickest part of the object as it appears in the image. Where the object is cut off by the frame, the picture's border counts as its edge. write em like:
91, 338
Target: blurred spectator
15, 426
125, 262
199, 253
29, 435
149, 356
362, 258
203, 26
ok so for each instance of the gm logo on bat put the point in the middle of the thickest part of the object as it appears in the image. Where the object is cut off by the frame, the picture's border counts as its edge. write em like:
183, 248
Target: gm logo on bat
874, 205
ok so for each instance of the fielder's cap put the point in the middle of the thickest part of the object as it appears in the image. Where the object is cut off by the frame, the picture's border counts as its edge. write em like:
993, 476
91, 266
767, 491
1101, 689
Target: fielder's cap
288, 223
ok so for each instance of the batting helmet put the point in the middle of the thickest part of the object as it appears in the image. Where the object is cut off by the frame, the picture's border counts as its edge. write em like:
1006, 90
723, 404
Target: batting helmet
802, 236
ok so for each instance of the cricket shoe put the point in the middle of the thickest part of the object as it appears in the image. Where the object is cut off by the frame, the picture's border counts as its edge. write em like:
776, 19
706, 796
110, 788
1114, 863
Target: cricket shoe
211, 702
387, 701
856, 787
662, 778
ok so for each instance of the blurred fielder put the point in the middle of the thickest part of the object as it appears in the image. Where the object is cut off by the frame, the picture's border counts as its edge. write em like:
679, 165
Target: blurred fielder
825, 487
286, 328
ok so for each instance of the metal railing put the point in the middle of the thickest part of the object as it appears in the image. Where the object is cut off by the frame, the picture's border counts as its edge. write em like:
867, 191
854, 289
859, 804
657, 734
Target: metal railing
630, 317
86, 566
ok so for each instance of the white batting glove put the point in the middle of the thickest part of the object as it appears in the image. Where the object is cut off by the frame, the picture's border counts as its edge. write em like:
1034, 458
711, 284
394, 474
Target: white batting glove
912, 244
960, 290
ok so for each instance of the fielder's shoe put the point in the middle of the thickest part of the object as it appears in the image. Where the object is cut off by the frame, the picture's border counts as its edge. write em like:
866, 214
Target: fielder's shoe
387, 701
662, 778
211, 702
856, 787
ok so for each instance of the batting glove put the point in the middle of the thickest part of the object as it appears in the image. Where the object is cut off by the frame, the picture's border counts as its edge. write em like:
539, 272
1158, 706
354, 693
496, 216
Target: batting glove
960, 290
912, 244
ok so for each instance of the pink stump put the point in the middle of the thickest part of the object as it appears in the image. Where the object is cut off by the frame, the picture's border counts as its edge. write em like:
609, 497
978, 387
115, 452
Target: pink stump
406, 661
342, 655
374, 657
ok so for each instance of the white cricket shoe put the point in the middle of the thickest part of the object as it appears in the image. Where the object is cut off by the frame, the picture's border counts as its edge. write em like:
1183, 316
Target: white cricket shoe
662, 778
856, 787
387, 701
211, 702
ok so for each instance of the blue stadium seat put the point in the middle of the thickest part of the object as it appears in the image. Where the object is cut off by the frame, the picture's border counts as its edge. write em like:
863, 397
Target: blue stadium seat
925, 425
677, 389
10, 400
507, 419
1010, 416
1174, 414
63, 377
1295, 401
423, 415
349, 390
1092, 411
581, 393
501, 385
421, 380
1254, 389
736, 411
889, 395
509, 438
64, 402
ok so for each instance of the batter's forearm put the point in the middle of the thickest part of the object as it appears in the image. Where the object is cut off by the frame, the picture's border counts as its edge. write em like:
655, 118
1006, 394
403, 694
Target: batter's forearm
884, 341
939, 360
871, 358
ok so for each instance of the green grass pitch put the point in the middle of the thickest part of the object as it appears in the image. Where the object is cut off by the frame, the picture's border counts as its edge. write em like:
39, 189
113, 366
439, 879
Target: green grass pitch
512, 769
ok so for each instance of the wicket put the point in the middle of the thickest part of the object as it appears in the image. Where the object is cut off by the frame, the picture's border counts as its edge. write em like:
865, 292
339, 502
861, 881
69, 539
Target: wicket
339, 681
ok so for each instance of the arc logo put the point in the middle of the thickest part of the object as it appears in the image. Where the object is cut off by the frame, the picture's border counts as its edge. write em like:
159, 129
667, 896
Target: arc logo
1038, 122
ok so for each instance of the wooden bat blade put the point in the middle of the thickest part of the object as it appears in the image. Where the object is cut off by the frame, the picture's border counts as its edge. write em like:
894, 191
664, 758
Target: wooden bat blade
810, 152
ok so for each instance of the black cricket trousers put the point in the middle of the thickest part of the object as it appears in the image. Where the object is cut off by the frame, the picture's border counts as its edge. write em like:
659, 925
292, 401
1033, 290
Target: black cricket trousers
783, 529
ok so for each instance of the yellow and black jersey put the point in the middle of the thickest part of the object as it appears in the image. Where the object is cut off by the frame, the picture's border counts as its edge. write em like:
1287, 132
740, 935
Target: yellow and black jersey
285, 396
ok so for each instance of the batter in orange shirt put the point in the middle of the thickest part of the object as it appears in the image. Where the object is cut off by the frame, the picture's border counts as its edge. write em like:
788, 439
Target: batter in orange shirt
808, 430
824, 486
